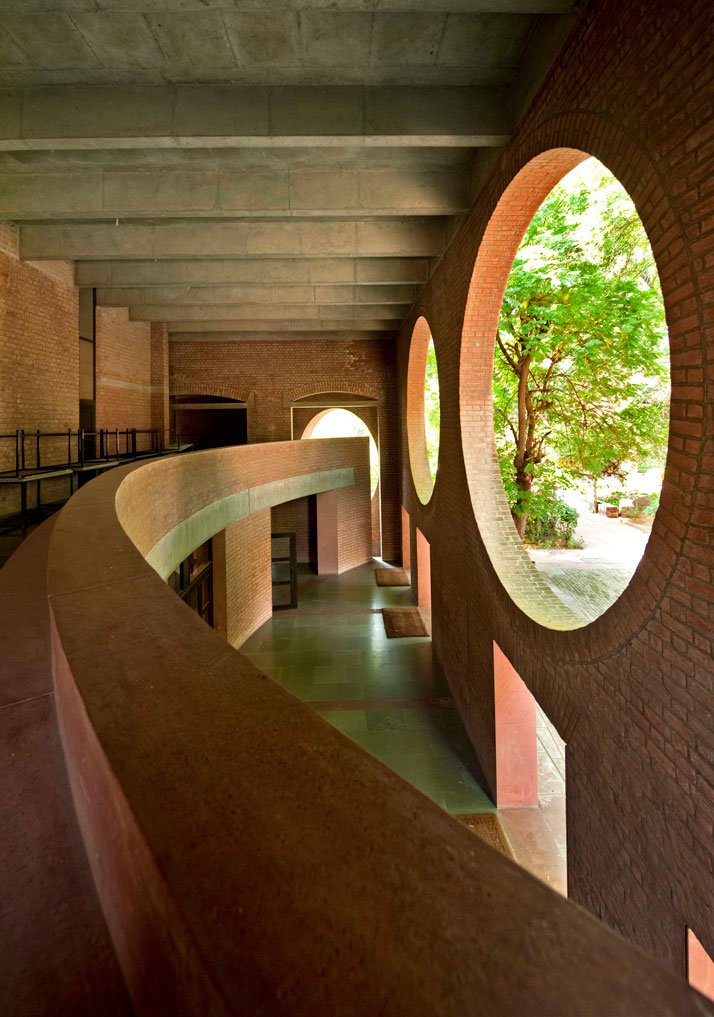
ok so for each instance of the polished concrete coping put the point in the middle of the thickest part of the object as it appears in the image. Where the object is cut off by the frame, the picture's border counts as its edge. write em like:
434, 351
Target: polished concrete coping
179, 542
249, 858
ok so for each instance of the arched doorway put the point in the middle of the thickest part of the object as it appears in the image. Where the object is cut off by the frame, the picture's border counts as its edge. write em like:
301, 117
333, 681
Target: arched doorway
209, 421
340, 422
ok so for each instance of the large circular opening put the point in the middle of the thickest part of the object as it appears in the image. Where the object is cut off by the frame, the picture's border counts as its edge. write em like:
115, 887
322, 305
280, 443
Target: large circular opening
340, 423
423, 410
565, 389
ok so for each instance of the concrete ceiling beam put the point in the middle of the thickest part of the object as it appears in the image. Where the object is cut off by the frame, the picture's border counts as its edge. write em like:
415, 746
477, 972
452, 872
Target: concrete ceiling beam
205, 193
243, 271
280, 335
420, 237
345, 326
259, 312
231, 6
209, 116
258, 294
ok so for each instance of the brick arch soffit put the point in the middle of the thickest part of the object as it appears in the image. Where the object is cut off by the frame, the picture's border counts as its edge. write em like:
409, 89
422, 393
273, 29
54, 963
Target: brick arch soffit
319, 413
626, 157
212, 389
293, 395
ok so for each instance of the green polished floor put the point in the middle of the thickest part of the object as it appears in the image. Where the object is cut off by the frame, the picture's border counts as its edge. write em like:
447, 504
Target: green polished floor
333, 653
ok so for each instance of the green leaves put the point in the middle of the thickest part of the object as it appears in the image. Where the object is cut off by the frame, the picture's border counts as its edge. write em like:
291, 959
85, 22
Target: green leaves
432, 408
583, 330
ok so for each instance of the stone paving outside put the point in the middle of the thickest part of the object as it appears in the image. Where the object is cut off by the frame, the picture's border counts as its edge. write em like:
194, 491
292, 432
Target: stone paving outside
333, 653
591, 579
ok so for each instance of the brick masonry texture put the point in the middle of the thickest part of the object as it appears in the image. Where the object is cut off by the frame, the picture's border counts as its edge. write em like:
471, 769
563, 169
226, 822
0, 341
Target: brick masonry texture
632, 692
298, 517
146, 513
159, 379
123, 370
39, 358
275, 374
246, 573
303, 418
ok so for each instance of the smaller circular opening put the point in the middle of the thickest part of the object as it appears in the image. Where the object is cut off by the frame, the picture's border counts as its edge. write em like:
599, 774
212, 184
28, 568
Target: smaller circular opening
423, 410
339, 423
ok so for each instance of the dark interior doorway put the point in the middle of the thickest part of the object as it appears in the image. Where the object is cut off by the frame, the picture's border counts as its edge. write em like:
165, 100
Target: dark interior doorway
193, 581
210, 421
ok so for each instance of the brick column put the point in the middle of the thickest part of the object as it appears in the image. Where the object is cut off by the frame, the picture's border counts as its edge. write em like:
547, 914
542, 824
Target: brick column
160, 378
242, 590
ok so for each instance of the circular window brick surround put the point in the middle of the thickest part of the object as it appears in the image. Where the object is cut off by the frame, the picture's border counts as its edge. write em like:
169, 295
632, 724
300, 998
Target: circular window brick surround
526, 586
416, 431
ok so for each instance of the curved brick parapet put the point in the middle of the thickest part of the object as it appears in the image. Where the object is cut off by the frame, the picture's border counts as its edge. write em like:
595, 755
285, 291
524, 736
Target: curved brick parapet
248, 857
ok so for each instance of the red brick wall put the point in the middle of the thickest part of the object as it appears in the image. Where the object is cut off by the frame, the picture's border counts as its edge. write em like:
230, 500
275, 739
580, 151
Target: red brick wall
632, 692
123, 359
159, 367
369, 415
39, 357
278, 373
295, 517
241, 577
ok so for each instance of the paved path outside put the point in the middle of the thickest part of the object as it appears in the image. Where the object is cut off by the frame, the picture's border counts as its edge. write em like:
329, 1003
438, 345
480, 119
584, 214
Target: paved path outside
591, 579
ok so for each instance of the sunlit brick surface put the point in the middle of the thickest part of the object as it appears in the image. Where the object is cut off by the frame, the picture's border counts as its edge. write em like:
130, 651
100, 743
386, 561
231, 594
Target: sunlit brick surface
631, 693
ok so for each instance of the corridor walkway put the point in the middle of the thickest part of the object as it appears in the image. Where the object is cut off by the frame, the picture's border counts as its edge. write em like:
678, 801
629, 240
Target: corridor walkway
383, 693
333, 653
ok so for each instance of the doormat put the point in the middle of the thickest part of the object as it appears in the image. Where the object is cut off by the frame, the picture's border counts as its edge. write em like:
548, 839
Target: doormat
486, 826
403, 621
391, 577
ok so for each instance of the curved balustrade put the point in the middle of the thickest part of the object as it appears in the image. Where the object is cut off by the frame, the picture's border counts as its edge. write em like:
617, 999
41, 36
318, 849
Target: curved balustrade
248, 857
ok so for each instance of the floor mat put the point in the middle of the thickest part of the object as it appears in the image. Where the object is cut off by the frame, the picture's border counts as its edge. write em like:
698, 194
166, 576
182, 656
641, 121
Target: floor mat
486, 826
391, 577
403, 621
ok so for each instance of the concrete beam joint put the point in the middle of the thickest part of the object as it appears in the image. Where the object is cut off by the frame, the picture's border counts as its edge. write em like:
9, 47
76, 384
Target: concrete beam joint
283, 193
211, 296
273, 312
415, 237
210, 116
244, 271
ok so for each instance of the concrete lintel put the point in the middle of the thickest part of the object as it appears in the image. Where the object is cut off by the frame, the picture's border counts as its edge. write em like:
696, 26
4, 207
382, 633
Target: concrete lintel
345, 326
456, 6
205, 193
267, 271
421, 237
175, 546
408, 6
277, 336
210, 116
271, 312
176, 296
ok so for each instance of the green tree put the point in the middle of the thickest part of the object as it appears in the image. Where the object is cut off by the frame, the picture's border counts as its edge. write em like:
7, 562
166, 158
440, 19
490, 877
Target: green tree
432, 408
581, 349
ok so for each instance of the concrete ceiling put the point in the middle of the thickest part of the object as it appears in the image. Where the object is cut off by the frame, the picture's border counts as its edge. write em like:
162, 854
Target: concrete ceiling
238, 171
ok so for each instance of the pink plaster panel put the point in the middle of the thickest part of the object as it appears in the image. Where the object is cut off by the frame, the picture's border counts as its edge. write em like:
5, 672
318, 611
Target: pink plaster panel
516, 740
423, 569
406, 540
327, 531
700, 967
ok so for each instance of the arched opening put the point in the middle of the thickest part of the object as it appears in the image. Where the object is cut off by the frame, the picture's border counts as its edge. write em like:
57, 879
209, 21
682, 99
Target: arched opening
341, 423
564, 387
338, 422
423, 410
209, 421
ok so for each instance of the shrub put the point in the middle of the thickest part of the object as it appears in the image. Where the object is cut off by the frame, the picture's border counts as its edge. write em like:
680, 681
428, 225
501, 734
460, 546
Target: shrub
551, 523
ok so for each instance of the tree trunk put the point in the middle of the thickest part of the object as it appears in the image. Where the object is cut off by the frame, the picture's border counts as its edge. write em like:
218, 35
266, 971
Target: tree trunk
524, 482
596, 504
